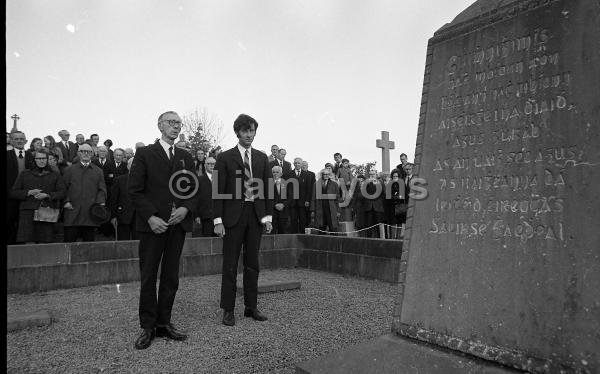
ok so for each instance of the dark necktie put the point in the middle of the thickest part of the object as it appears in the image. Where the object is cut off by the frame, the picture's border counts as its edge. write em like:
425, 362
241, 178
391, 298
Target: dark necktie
67, 145
298, 174
170, 153
20, 154
247, 175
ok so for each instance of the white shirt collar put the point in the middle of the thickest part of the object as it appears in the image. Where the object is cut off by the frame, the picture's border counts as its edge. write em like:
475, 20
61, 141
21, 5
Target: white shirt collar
243, 152
209, 176
19, 150
166, 146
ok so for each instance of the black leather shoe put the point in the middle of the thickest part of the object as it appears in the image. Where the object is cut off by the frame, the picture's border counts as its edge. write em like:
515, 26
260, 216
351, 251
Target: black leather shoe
145, 339
228, 318
170, 332
255, 314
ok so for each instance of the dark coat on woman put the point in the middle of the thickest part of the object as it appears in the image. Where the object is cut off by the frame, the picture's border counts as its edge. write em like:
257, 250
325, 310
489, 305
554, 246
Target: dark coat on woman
48, 182
85, 187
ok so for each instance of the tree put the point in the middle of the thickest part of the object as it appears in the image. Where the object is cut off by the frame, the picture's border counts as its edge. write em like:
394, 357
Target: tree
202, 130
362, 168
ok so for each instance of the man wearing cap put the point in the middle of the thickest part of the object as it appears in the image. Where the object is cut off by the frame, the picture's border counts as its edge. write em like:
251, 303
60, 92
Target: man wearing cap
85, 188
163, 189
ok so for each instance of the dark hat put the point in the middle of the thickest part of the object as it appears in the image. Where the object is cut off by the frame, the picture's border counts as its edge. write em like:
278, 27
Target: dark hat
99, 214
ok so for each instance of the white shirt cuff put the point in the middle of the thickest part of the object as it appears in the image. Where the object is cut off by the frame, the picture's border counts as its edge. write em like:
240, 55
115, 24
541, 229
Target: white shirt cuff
217, 221
266, 219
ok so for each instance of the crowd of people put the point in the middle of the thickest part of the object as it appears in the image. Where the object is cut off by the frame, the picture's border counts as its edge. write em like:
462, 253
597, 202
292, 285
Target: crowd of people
78, 190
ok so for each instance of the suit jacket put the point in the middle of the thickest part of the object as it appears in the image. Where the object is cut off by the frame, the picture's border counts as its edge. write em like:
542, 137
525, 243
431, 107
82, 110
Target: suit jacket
309, 181
149, 187
12, 166
229, 171
120, 203
109, 169
374, 200
304, 188
205, 208
284, 197
317, 204
70, 154
287, 167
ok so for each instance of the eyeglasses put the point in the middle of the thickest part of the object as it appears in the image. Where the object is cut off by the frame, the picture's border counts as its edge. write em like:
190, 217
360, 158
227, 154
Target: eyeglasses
174, 124
41, 158
87, 152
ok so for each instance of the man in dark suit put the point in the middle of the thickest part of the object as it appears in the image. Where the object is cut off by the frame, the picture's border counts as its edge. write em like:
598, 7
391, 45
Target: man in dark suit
373, 209
240, 216
67, 148
301, 199
204, 213
108, 169
282, 201
119, 162
16, 161
338, 163
162, 187
280, 161
121, 208
309, 180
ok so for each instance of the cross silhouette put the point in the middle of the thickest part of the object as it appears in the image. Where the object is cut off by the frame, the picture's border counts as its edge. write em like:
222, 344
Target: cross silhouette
15, 119
385, 144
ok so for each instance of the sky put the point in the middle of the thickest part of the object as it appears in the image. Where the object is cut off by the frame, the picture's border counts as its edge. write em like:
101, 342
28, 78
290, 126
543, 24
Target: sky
319, 76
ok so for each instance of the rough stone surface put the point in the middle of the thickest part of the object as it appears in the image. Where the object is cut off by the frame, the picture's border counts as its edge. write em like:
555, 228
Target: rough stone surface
392, 354
270, 286
21, 321
503, 256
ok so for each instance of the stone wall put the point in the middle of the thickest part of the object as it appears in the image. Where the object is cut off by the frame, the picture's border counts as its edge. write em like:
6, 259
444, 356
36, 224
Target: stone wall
43, 267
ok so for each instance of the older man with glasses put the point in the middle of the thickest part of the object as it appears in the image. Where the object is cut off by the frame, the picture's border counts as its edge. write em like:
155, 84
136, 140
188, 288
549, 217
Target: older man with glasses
85, 187
164, 210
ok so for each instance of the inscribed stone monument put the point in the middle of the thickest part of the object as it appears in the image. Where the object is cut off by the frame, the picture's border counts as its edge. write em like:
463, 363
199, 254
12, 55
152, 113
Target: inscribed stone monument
503, 257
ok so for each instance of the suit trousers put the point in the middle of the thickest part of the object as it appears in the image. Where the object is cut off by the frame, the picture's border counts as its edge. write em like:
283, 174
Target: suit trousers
280, 222
247, 233
298, 219
154, 250
126, 231
87, 233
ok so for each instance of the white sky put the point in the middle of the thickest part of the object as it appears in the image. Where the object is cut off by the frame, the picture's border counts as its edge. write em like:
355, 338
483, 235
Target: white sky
319, 76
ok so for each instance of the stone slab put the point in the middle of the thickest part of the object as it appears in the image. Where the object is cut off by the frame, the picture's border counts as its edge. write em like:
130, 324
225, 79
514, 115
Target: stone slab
270, 286
390, 354
502, 252
23, 321
37, 254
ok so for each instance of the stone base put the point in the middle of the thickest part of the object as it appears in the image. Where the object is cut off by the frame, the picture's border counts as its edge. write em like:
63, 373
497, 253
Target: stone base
264, 287
393, 354
19, 322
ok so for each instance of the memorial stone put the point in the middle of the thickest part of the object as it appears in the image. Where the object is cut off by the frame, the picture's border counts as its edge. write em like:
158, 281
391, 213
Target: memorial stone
503, 256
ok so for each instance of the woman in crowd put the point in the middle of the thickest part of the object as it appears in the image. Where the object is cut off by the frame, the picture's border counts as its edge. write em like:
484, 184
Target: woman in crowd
395, 203
199, 162
50, 144
35, 188
53, 162
35, 145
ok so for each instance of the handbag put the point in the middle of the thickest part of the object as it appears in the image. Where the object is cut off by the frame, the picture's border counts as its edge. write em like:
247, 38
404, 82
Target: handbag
46, 214
400, 209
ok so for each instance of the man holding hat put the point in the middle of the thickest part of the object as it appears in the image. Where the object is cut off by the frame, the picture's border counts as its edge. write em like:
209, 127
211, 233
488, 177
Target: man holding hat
86, 197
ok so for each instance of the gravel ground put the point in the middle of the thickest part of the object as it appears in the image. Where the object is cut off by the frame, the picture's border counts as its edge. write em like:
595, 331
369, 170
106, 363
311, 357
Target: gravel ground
95, 327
